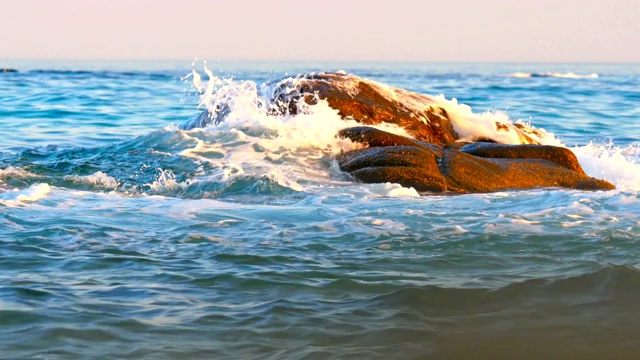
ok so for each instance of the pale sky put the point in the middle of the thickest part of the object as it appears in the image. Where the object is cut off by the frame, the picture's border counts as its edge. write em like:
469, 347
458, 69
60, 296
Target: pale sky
323, 30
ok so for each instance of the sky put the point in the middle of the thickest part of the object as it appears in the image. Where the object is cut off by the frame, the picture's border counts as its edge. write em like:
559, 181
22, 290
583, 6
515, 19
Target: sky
323, 30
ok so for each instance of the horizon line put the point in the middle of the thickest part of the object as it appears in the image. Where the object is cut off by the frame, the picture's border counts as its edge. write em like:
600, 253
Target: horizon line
197, 59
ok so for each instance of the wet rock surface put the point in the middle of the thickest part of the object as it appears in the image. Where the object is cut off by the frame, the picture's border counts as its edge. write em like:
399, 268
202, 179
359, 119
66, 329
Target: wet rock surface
370, 103
432, 168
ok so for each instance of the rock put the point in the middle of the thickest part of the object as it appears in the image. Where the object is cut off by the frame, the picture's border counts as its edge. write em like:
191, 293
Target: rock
451, 150
430, 168
396, 164
373, 137
425, 117
436, 160
559, 155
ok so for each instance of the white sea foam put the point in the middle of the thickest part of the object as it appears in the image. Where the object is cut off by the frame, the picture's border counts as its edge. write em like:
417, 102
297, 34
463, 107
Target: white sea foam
241, 136
620, 166
98, 179
390, 190
470, 126
12, 172
388, 224
568, 75
396, 190
13, 198
520, 75
165, 182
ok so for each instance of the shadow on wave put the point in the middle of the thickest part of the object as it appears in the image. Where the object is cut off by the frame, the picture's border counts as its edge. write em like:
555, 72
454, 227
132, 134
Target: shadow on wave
590, 316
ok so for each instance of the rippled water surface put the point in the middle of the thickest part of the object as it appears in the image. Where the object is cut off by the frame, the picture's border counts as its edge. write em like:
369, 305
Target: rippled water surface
124, 237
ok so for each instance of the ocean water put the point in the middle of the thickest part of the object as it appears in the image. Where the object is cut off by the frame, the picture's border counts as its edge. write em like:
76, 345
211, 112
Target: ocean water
124, 237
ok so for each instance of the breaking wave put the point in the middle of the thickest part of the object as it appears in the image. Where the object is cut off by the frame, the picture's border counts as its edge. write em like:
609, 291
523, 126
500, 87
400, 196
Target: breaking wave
568, 75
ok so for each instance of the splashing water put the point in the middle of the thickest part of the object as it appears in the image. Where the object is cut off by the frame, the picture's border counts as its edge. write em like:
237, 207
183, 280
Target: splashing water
219, 242
621, 166
242, 136
568, 75
13, 198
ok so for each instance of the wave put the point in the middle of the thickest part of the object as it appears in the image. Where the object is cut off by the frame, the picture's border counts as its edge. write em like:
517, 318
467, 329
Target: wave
619, 165
245, 146
213, 186
568, 75
227, 100
16, 197
603, 284
242, 108
590, 316
97, 179
16, 173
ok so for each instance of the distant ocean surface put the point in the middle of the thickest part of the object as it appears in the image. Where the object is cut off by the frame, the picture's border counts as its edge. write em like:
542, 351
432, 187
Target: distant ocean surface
124, 237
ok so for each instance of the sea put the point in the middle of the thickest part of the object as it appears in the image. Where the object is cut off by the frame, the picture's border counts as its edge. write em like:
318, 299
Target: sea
124, 236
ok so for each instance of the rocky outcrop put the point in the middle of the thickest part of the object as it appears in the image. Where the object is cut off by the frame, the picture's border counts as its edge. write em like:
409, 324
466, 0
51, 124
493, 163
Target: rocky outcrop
427, 118
478, 167
451, 150
435, 160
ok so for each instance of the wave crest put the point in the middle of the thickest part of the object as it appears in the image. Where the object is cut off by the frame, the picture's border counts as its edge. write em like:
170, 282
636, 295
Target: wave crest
568, 75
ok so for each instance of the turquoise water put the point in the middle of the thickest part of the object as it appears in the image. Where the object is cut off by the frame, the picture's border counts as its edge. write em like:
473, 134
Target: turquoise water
124, 237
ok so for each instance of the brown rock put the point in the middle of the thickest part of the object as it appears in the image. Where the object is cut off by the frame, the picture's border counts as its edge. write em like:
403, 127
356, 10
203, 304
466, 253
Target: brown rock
371, 103
398, 164
559, 155
393, 158
373, 137
468, 173
404, 175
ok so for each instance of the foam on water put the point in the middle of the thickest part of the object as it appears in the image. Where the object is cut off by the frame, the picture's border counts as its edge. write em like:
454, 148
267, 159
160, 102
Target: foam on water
20, 197
392, 190
246, 141
470, 126
246, 138
568, 75
98, 178
12, 172
620, 166
165, 182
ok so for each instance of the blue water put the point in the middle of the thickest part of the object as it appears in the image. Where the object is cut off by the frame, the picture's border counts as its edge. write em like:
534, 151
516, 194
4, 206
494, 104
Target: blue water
124, 237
